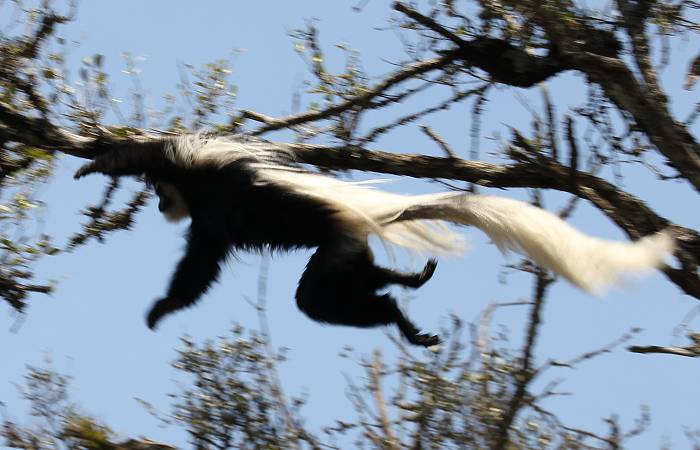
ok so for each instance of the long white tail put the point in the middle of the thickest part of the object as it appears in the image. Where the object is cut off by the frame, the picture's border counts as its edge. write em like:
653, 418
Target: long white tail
588, 262
418, 222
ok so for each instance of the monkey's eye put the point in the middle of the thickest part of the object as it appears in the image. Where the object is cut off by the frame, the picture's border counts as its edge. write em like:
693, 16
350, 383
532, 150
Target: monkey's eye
164, 203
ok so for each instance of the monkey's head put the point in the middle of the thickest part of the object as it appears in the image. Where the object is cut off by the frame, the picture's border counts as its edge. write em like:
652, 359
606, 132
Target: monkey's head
171, 203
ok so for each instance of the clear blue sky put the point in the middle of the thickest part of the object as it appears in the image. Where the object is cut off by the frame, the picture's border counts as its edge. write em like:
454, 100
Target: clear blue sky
93, 327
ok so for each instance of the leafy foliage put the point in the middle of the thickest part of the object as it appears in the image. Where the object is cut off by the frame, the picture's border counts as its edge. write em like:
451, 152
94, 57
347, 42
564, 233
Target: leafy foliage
233, 399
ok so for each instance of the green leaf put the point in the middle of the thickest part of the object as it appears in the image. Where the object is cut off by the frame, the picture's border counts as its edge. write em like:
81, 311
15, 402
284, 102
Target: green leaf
38, 153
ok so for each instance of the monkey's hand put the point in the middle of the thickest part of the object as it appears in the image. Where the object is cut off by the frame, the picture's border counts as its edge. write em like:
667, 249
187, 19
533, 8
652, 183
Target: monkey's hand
158, 310
119, 163
86, 169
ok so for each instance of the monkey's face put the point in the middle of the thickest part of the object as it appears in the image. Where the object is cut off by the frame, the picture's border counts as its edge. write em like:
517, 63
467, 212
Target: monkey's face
171, 202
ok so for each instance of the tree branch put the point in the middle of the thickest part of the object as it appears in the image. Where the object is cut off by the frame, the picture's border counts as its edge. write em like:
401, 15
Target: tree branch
525, 374
671, 138
691, 352
49, 20
504, 62
389, 441
516, 67
630, 213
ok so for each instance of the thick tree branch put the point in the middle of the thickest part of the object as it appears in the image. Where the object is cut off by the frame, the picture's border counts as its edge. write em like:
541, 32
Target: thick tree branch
671, 138
504, 62
40, 133
27, 130
516, 67
627, 211
631, 214
635, 15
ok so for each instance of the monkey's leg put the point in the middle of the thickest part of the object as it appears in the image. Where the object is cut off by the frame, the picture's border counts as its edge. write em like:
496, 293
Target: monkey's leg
339, 287
195, 272
411, 279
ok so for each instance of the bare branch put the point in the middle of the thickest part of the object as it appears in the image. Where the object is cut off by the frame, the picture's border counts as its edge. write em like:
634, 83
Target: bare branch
691, 352
428, 22
516, 67
631, 214
361, 100
513, 66
551, 123
438, 140
390, 440
446, 104
525, 374
587, 356
671, 138
635, 15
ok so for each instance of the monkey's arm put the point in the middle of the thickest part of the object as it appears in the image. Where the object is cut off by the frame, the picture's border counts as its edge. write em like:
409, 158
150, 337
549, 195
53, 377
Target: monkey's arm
197, 270
127, 159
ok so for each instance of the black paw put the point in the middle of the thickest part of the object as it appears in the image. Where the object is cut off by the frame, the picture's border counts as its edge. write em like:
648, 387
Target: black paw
86, 169
413, 335
428, 271
158, 310
419, 279
424, 339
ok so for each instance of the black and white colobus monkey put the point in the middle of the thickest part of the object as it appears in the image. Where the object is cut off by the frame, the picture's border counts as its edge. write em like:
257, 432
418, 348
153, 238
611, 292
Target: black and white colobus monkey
247, 194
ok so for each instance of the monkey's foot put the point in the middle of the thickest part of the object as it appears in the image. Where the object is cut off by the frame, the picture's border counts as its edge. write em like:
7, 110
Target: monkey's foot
416, 279
414, 336
427, 272
424, 339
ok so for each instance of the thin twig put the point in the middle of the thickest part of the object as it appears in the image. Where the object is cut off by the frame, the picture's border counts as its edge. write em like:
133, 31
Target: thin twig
432, 134
691, 352
390, 440
410, 72
524, 375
